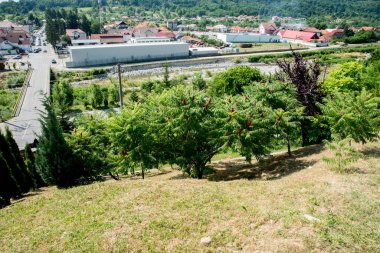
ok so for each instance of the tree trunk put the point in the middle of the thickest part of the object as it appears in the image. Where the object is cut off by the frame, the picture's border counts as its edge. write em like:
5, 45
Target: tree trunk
288, 143
113, 176
303, 135
142, 172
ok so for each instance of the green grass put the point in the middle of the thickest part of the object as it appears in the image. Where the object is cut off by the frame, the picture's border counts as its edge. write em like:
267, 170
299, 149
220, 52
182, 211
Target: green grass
8, 99
168, 212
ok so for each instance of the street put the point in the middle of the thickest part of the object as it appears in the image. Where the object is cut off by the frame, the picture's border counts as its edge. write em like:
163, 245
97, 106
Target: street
26, 125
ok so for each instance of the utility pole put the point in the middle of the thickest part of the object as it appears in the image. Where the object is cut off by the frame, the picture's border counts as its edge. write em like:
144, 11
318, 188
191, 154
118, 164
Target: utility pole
120, 87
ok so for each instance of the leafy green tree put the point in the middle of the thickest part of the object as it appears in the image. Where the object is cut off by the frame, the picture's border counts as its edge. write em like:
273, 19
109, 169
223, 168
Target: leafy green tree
113, 94
63, 97
134, 97
198, 82
349, 76
288, 111
232, 81
8, 185
55, 160
353, 116
90, 144
85, 24
96, 95
28, 178
343, 155
166, 81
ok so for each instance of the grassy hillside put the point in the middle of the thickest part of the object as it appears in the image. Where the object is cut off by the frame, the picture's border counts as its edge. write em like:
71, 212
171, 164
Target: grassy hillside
243, 209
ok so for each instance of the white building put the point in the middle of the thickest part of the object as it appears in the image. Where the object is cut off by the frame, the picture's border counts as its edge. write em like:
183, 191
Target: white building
81, 56
149, 40
247, 38
85, 42
203, 51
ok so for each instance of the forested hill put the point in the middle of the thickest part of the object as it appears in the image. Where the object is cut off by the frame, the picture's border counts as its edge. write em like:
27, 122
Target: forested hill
365, 9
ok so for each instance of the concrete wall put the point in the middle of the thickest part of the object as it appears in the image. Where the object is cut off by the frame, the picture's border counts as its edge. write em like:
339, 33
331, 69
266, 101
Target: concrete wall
121, 53
247, 38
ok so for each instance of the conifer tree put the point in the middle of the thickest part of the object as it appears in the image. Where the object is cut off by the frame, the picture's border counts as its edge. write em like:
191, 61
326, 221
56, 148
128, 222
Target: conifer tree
31, 166
8, 185
28, 178
55, 161
12, 164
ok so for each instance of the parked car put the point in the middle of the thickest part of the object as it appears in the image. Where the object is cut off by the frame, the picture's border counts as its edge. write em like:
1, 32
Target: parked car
17, 57
24, 54
45, 51
53, 61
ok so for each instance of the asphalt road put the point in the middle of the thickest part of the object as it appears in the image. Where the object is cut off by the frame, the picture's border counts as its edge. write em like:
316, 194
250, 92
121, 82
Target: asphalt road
26, 125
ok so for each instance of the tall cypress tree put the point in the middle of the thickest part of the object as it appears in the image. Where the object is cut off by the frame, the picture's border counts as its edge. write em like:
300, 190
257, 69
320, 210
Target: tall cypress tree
55, 160
12, 164
31, 166
8, 185
28, 180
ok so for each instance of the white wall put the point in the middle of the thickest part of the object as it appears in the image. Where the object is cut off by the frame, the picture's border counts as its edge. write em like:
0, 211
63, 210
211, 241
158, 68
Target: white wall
247, 38
112, 54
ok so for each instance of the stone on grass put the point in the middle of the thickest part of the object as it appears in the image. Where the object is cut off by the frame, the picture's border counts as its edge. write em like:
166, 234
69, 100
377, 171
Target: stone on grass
311, 218
206, 240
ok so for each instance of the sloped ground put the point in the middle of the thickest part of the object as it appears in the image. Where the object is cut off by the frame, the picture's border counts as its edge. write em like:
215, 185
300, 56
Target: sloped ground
242, 207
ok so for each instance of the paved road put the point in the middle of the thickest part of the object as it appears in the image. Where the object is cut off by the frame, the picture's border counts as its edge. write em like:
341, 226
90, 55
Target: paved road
26, 126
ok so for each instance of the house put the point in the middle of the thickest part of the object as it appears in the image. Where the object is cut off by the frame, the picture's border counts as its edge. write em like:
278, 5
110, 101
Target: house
76, 34
290, 35
369, 28
120, 25
220, 28
268, 28
8, 25
333, 34
108, 38
15, 39
172, 25
143, 30
315, 30
191, 40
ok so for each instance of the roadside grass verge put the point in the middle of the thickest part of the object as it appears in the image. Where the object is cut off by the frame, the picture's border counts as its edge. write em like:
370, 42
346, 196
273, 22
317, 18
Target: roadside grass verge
243, 207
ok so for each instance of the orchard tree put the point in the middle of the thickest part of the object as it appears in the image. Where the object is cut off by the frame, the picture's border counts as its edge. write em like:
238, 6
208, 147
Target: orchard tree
353, 116
288, 111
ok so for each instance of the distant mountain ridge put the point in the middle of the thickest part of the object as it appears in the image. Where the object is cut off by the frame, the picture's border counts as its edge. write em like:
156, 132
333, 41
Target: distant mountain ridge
363, 9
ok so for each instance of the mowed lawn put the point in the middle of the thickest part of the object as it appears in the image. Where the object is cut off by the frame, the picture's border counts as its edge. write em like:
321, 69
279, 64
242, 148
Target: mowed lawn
242, 207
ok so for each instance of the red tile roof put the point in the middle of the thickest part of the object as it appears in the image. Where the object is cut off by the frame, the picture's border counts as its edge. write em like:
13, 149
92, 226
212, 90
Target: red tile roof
306, 36
70, 32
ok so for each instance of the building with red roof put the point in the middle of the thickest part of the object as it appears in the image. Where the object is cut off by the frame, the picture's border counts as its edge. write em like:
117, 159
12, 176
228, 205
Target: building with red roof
298, 35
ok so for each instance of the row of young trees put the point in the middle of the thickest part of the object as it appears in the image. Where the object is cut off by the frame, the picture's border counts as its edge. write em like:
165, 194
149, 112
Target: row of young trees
186, 125
18, 175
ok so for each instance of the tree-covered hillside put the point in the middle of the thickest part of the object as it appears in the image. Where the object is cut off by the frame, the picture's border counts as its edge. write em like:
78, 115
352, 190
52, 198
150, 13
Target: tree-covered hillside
368, 10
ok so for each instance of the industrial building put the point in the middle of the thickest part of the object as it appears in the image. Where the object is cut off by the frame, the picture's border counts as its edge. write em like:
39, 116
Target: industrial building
247, 38
81, 56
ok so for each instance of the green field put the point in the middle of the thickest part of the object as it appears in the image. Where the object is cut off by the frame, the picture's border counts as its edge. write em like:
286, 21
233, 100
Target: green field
242, 207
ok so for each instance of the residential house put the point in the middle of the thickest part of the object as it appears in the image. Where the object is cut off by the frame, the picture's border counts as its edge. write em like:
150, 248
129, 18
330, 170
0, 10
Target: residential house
172, 25
268, 28
15, 39
120, 25
143, 30
220, 28
76, 34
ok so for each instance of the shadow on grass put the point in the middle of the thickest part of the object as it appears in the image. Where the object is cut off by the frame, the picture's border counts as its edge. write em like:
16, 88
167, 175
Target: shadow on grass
371, 152
274, 167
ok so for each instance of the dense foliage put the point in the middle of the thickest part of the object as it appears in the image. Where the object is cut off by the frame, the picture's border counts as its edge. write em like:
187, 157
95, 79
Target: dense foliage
365, 9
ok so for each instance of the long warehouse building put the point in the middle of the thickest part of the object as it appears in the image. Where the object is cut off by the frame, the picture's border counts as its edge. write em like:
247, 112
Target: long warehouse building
81, 56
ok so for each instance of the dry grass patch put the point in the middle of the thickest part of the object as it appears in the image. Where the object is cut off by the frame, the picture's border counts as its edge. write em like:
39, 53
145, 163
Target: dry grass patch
243, 207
